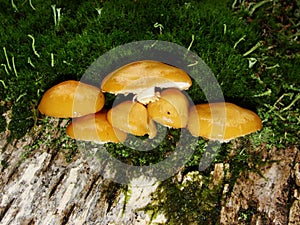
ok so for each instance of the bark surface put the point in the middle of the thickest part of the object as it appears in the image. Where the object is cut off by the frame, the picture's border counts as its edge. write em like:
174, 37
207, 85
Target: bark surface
42, 188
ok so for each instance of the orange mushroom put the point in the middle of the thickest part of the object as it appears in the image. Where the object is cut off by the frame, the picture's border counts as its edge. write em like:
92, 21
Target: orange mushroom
71, 99
132, 117
95, 127
141, 78
171, 109
222, 121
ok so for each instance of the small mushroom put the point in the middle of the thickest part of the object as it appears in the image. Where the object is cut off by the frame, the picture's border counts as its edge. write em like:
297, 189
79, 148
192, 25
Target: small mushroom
71, 99
171, 109
95, 127
222, 121
132, 117
141, 78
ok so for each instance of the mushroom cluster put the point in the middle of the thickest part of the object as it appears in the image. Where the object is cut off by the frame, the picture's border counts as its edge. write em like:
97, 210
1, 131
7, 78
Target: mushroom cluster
158, 98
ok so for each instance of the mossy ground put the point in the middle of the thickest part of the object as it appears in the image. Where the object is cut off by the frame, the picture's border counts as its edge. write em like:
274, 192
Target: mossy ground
252, 48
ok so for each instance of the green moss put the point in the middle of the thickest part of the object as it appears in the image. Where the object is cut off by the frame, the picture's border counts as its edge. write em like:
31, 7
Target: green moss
2, 124
2, 118
135, 153
21, 121
245, 215
190, 202
83, 34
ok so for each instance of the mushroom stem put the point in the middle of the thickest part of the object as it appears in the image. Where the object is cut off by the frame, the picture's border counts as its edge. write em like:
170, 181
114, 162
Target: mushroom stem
152, 131
147, 95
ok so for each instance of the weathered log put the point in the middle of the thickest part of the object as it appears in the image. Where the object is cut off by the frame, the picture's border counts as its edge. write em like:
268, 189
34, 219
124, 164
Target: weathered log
40, 187
267, 194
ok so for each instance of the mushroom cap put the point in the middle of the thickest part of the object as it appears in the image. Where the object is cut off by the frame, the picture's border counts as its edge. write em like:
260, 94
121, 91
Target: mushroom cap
171, 109
71, 99
95, 127
222, 121
131, 117
141, 78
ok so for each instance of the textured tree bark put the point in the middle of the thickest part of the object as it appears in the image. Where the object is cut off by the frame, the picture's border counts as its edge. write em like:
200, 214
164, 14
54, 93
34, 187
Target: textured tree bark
41, 188
270, 194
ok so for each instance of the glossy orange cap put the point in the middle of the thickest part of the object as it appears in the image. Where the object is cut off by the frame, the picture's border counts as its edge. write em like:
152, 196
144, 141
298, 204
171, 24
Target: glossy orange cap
141, 78
171, 109
71, 99
132, 117
222, 121
94, 127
